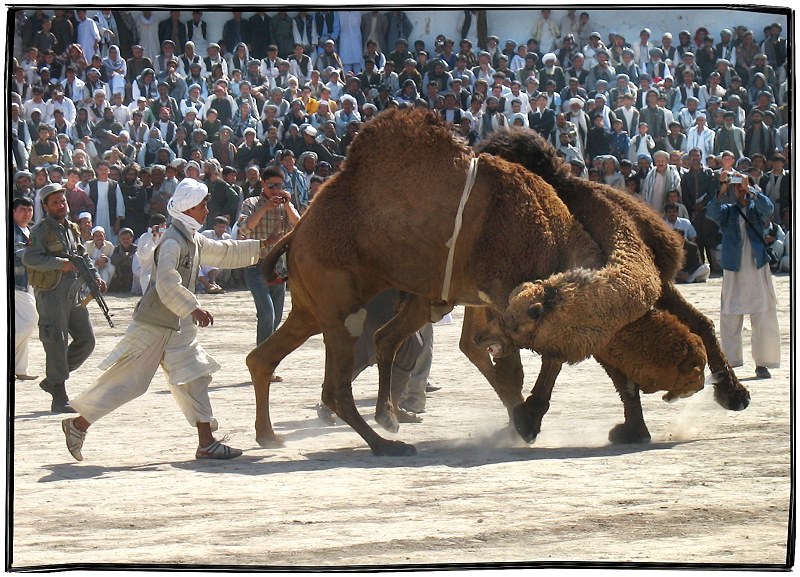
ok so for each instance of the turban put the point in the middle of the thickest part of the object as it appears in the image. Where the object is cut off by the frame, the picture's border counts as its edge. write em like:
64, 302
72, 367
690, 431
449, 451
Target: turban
188, 194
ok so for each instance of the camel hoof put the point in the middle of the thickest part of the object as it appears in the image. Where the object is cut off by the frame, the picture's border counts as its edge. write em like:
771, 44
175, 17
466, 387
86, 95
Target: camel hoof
325, 414
388, 421
272, 441
622, 434
527, 422
394, 449
729, 393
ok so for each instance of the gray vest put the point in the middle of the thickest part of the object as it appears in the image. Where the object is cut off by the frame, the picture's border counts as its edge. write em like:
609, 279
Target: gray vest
150, 310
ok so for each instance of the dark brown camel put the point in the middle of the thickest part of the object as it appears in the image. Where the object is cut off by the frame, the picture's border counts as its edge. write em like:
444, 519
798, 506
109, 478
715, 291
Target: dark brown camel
378, 224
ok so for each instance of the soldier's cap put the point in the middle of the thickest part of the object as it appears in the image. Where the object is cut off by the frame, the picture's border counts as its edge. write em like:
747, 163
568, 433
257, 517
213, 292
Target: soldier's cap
51, 189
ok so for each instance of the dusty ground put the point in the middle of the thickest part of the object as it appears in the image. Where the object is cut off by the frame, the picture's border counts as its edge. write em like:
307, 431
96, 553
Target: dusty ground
712, 487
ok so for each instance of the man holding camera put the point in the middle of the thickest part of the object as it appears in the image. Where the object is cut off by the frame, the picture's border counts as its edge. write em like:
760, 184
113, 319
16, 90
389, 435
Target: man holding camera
747, 280
270, 215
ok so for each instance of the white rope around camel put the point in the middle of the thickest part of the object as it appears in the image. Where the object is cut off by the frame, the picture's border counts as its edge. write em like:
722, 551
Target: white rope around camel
472, 174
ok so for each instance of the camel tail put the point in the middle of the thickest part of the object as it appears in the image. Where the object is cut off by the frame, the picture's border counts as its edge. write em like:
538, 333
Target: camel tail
271, 260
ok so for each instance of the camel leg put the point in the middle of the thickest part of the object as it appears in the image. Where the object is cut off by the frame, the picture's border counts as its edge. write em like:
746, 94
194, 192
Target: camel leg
337, 392
412, 316
505, 373
528, 416
264, 359
728, 391
634, 429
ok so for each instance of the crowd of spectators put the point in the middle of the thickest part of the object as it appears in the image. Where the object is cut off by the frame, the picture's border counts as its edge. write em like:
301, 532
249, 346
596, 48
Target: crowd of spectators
126, 106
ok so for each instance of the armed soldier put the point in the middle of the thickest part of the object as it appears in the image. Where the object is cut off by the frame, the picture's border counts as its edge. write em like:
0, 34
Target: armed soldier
57, 287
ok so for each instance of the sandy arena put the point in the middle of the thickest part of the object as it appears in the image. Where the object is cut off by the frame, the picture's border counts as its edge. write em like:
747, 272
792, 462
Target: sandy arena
713, 486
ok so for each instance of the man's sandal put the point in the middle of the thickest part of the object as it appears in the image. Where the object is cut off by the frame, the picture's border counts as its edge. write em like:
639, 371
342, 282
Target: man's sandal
75, 438
217, 450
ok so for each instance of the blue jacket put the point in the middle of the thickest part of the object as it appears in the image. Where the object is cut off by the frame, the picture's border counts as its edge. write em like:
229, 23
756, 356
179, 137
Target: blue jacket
727, 217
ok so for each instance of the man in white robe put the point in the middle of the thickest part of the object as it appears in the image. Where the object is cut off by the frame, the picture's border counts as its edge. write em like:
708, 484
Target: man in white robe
88, 35
164, 330
350, 45
747, 287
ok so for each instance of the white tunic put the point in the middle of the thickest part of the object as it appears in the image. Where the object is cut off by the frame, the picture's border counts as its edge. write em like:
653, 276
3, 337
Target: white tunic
350, 45
750, 289
88, 34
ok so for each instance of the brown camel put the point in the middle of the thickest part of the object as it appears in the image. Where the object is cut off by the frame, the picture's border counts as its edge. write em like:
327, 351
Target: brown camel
656, 352
584, 199
368, 230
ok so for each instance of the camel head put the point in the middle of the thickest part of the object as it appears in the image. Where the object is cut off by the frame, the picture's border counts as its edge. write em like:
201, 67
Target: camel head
689, 376
536, 319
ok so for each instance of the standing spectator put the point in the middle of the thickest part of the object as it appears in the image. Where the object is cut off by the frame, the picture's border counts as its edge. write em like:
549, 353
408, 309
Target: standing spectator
546, 31
327, 24
398, 25
88, 35
270, 216
236, 30
109, 204
304, 32
473, 25
281, 33
747, 280
64, 32
351, 47
134, 195
172, 29
25, 316
374, 26
258, 26
148, 26
61, 315
197, 32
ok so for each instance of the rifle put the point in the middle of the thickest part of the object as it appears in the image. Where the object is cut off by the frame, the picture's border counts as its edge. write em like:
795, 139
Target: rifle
91, 283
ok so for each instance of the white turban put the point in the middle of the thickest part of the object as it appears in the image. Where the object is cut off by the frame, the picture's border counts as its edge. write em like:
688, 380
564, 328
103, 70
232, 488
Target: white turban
188, 194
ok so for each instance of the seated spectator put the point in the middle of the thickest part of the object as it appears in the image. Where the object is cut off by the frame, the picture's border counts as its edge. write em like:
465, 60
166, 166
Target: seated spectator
694, 270
99, 250
122, 261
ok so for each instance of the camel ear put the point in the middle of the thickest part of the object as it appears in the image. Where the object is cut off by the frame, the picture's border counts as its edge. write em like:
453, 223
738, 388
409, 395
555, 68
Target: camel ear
536, 311
549, 300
